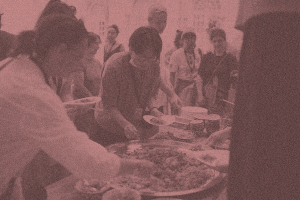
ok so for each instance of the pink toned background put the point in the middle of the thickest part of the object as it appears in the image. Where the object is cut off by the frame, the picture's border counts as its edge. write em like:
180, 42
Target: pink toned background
130, 14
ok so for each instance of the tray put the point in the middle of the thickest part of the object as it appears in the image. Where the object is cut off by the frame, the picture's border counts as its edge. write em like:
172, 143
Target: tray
121, 148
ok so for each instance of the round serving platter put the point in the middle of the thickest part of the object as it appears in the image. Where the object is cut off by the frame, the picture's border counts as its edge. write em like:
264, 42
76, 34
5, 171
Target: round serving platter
122, 148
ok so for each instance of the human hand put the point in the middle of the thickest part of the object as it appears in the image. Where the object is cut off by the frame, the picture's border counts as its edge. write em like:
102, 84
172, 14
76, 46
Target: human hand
175, 101
155, 112
234, 73
131, 132
218, 136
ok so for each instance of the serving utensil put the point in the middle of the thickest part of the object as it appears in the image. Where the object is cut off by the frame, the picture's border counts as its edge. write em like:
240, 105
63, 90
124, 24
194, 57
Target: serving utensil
228, 102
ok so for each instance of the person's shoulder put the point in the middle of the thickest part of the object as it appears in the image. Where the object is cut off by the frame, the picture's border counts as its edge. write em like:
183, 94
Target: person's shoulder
117, 60
7, 35
208, 55
230, 56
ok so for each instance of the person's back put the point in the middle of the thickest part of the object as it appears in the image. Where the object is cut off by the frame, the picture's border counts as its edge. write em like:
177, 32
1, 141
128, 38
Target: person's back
265, 153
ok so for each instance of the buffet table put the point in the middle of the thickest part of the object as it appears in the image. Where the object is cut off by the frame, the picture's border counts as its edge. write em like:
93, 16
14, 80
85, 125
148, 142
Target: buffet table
64, 188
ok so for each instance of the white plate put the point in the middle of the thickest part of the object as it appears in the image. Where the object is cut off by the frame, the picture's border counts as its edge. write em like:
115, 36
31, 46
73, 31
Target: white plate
167, 119
207, 117
83, 102
218, 157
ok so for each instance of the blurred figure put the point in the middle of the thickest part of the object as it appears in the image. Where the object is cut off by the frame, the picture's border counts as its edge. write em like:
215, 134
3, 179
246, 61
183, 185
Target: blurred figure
184, 66
112, 46
217, 70
265, 152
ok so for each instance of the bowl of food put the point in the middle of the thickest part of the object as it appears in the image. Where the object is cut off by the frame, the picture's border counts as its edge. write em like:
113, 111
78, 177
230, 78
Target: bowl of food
122, 194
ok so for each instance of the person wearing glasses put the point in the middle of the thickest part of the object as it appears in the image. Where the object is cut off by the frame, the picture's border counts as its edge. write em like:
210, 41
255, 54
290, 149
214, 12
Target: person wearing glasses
130, 85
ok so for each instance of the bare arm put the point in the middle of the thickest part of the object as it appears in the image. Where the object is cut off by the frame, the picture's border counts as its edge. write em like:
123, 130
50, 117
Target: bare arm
79, 91
172, 78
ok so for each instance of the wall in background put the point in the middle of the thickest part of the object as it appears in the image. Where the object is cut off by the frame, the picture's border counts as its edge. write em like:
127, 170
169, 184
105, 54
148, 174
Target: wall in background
130, 14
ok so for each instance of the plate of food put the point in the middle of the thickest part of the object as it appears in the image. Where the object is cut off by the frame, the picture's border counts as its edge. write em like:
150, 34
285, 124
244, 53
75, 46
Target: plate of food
91, 187
88, 101
176, 173
159, 121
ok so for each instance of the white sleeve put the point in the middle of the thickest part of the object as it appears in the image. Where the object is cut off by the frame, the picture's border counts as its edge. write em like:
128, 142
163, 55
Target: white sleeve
44, 121
174, 65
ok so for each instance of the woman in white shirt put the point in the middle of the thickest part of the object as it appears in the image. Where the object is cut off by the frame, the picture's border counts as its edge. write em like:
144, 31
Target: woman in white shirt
32, 116
184, 66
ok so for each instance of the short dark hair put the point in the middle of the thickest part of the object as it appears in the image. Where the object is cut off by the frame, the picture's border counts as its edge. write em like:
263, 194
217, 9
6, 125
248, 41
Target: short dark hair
143, 38
57, 7
114, 27
92, 37
217, 32
57, 29
188, 35
52, 30
178, 38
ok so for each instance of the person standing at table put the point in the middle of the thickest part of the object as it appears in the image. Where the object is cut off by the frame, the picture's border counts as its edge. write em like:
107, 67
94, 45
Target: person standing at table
165, 72
157, 18
86, 83
216, 70
130, 85
112, 46
264, 153
32, 116
184, 66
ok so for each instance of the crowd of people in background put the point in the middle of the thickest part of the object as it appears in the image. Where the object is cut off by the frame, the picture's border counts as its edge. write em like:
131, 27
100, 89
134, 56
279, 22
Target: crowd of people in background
55, 63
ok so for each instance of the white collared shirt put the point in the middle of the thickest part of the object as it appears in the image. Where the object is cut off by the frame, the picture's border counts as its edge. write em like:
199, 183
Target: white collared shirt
32, 118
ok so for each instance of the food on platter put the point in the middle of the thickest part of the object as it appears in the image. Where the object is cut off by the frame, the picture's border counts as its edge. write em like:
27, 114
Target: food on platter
121, 194
157, 121
222, 145
182, 135
208, 158
90, 187
175, 171
198, 147
162, 135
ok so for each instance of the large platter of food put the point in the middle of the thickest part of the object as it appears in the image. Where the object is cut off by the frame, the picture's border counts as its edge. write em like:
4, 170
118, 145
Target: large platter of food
176, 173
